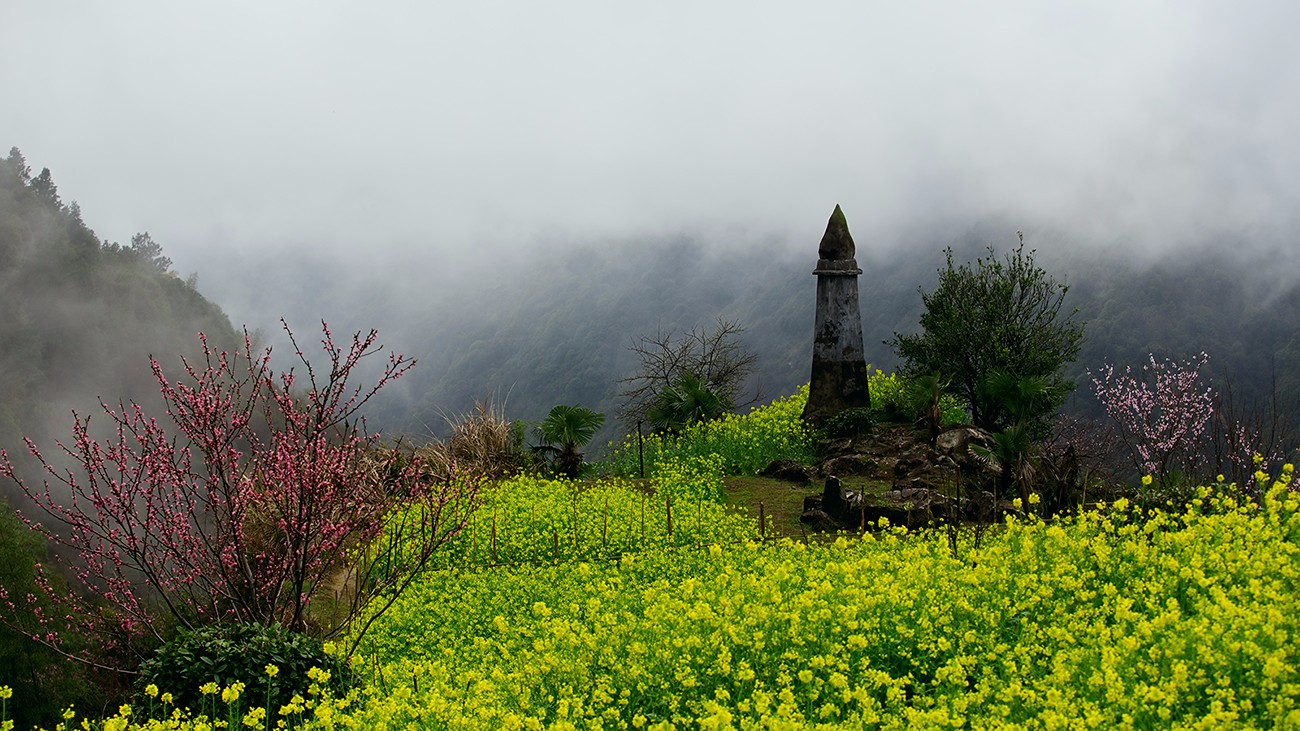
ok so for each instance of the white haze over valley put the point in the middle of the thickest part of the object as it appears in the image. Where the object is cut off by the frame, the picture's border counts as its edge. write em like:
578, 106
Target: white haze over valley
395, 145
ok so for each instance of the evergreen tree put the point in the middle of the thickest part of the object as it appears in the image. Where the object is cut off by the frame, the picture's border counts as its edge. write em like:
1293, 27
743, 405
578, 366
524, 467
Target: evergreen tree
998, 316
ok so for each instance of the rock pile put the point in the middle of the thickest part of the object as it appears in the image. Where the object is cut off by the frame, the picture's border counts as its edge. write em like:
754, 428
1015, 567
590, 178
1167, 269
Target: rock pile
925, 485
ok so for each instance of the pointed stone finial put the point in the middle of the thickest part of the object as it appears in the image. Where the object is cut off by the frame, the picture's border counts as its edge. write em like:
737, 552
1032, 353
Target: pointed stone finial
837, 244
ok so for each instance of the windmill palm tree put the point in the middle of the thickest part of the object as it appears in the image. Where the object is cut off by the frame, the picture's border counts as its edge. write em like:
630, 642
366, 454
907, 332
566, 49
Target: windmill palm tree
1020, 399
564, 431
685, 402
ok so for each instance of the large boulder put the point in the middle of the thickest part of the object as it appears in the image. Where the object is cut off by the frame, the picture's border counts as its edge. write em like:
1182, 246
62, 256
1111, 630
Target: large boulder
787, 470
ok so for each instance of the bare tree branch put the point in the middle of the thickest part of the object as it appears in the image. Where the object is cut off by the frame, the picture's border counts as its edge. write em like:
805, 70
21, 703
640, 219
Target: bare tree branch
713, 355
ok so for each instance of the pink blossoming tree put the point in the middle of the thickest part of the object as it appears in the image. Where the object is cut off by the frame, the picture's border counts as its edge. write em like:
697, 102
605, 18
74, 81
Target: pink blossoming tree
1161, 411
260, 497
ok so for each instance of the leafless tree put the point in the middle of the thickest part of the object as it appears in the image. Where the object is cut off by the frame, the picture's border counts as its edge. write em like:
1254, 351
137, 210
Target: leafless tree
1242, 428
713, 355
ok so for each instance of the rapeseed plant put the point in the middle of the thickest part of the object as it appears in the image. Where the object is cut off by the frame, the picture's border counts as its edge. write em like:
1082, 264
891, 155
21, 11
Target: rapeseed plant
745, 443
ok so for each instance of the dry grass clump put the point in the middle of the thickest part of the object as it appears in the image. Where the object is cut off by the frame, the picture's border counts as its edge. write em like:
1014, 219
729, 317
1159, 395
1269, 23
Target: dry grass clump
482, 441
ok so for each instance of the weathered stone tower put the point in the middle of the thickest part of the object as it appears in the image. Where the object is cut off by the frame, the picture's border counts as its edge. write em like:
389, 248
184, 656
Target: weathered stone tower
839, 367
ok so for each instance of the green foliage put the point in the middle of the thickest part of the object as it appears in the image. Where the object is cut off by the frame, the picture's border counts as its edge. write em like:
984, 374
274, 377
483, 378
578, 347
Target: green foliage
228, 653
897, 397
850, 422
998, 315
564, 431
42, 682
745, 443
1022, 399
1010, 452
688, 401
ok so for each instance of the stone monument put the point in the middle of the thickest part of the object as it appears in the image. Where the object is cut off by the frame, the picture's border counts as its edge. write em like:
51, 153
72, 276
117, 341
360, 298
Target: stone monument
839, 368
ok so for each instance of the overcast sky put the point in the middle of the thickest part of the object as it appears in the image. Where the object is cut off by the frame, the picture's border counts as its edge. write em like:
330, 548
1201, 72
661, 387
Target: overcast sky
439, 127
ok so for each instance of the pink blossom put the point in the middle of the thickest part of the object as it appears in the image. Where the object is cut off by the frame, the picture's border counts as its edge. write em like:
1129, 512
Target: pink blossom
246, 502
1162, 410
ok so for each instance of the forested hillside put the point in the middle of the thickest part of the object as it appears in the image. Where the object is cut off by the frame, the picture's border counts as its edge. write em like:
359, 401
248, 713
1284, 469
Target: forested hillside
81, 315
554, 324
556, 328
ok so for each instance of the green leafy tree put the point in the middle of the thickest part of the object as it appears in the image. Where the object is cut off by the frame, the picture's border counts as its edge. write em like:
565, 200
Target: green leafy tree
43, 185
19, 164
564, 431
148, 250
999, 315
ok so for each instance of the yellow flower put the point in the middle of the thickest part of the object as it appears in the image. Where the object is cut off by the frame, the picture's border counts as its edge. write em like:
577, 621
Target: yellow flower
6, 691
253, 719
167, 698
208, 688
231, 693
151, 690
1146, 479
272, 671
294, 705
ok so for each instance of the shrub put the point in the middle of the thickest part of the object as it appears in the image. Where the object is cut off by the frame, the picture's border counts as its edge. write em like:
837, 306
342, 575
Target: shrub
41, 684
564, 431
895, 398
850, 422
230, 653
996, 315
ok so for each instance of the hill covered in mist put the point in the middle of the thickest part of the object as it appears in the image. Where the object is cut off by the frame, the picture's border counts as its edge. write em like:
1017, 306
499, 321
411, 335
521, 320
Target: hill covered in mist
81, 315
553, 324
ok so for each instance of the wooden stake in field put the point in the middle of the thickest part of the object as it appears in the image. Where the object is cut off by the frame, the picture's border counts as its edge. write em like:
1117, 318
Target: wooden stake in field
762, 522
640, 451
668, 509
699, 522
575, 524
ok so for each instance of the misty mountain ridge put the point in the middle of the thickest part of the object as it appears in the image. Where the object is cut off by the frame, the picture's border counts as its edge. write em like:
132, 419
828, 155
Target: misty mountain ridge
554, 324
